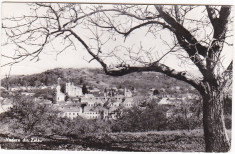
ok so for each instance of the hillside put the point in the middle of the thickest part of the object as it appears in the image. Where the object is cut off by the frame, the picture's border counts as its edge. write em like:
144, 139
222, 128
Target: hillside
141, 82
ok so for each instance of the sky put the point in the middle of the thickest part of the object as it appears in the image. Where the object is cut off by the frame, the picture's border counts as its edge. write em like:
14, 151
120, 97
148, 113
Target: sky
48, 60
68, 59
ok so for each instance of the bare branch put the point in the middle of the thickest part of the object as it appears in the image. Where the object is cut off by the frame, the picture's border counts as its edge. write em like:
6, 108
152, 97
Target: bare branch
180, 31
154, 67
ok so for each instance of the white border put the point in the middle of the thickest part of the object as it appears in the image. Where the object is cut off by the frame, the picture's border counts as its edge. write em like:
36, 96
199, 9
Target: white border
193, 2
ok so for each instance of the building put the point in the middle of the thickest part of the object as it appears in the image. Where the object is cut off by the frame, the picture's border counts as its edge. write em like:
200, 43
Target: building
128, 102
70, 113
127, 93
28, 94
60, 97
166, 101
91, 113
72, 90
45, 102
72, 103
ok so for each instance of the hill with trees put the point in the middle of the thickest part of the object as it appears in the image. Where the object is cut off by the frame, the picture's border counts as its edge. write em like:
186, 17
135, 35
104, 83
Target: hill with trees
141, 82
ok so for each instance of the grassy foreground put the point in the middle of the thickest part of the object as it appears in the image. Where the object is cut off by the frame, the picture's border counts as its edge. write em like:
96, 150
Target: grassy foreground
177, 141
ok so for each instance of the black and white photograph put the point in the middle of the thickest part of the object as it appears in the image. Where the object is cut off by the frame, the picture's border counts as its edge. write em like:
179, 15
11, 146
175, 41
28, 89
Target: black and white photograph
120, 77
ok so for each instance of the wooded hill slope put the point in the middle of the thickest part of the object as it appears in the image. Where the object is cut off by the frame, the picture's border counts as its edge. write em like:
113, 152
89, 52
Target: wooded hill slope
95, 78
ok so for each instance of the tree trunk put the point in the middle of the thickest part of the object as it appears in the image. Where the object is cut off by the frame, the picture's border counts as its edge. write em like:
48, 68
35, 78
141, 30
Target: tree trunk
216, 138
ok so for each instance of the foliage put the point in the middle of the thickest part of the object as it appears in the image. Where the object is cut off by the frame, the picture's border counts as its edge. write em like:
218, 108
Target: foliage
30, 118
47, 78
187, 116
84, 89
136, 119
62, 89
47, 94
27, 117
156, 92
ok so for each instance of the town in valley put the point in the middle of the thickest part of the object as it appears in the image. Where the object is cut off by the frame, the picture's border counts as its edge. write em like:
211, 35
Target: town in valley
72, 100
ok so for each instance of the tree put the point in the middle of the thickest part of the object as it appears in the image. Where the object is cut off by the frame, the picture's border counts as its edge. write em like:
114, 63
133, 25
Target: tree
136, 119
196, 41
27, 117
155, 92
63, 88
186, 116
84, 89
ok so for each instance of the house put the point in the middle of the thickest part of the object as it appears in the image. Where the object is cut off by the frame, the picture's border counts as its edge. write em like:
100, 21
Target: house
43, 87
169, 113
128, 102
177, 88
28, 94
162, 90
2, 88
94, 90
89, 96
45, 102
110, 113
70, 113
165, 101
115, 104
23, 88
15, 89
91, 103
90, 113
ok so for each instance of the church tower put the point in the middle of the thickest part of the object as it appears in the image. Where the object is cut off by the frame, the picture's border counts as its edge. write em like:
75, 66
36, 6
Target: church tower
59, 95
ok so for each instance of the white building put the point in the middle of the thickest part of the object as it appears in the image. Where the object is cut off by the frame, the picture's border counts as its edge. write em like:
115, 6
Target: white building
60, 97
72, 90
128, 102
28, 93
95, 90
70, 113
127, 93
90, 113
165, 101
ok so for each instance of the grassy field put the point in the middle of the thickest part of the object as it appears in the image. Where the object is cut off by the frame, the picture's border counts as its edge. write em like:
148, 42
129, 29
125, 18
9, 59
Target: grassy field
177, 141
157, 141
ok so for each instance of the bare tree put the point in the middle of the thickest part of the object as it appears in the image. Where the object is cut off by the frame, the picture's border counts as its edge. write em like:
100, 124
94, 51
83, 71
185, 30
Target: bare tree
196, 35
26, 117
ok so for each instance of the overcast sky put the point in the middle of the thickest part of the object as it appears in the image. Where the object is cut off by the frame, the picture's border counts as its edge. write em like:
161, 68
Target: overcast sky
48, 60
69, 59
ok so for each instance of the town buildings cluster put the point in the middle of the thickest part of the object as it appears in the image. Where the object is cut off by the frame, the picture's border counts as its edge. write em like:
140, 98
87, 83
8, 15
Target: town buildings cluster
71, 101
106, 105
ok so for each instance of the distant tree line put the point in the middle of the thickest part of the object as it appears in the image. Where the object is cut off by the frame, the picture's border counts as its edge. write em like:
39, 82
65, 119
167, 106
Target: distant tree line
47, 78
